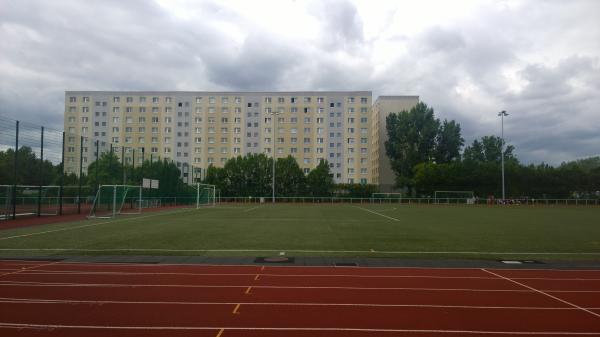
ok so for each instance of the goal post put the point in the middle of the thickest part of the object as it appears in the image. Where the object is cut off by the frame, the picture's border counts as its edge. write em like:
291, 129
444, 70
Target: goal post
456, 197
113, 200
205, 195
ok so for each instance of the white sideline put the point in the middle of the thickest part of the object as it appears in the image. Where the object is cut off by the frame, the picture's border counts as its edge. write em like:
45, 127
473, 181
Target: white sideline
124, 273
284, 304
251, 209
217, 328
543, 293
288, 250
377, 213
93, 224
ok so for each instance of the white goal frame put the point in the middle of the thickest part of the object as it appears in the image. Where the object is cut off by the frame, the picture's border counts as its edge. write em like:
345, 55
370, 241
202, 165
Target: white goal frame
390, 196
115, 210
211, 190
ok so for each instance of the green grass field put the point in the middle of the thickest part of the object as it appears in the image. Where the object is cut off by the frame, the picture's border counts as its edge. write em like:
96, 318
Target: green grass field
326, 230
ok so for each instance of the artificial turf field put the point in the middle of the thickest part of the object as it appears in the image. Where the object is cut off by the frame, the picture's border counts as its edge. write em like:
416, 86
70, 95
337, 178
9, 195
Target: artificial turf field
364, 230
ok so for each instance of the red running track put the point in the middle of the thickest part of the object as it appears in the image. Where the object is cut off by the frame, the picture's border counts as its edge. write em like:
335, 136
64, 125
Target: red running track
41, 298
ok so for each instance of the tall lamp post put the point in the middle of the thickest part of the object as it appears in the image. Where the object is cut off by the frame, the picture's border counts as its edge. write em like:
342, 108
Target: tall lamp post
274, 115
502, 114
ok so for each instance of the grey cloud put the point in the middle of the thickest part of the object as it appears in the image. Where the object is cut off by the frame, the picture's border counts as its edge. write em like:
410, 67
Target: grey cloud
52, 46
341, 22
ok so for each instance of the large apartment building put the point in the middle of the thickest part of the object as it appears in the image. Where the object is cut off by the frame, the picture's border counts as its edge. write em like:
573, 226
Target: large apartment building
383, 106
199, 129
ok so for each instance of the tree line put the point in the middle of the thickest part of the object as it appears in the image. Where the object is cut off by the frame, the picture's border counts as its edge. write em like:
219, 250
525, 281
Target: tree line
427, 155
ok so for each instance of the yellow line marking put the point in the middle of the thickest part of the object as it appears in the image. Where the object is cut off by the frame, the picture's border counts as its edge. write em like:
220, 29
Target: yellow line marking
28, 268
235, 311
256, 278
220, 333
248, 290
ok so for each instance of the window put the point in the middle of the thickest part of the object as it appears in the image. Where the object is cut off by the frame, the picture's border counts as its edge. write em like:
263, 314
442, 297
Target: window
320, 99
237, 100
72, 99
116, 109
142, 109
198, 100
280, 100
116, 99
306, 99
364, 100
267, 99
211, 100
224, 100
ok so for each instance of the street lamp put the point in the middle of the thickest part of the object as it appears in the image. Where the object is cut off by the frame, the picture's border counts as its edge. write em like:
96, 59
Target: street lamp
273, 116
502, 114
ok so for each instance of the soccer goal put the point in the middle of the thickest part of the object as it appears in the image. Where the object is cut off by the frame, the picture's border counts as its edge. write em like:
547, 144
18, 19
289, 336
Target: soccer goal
386, 197
25, 200
205, 195
113, 200
453, 197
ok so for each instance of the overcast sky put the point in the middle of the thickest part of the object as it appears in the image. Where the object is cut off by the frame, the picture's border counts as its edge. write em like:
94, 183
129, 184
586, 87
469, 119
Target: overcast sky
539, 60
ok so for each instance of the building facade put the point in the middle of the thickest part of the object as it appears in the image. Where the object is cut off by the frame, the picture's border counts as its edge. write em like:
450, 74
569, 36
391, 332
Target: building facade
199, 129
384, 105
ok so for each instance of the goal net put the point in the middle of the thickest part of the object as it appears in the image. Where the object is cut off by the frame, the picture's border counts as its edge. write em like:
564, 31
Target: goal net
454, 197
386, 197
28, 200
205, 195
112, 200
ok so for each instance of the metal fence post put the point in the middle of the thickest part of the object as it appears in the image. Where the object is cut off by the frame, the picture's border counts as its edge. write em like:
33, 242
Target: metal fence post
97, 163
80, 174
62, 177
16, 159
39, 204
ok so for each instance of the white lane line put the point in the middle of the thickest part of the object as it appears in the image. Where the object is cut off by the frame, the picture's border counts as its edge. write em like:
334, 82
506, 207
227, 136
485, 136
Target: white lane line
285, 304
543, 293
93, 224
142, 285
284, 329
377, 213
370, 252
251, 209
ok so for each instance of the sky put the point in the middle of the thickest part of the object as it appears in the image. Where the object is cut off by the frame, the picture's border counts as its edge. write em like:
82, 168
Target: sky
468, 60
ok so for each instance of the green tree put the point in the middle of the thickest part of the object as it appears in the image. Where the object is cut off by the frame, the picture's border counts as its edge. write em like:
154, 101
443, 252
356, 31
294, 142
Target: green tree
489, 149
290, 181
411, 140
448, 142
320, 181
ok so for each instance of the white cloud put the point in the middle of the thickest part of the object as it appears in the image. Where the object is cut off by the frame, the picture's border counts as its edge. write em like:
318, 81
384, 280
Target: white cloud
467, 59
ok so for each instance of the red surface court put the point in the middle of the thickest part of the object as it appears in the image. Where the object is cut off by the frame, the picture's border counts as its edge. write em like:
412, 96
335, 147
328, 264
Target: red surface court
42, 298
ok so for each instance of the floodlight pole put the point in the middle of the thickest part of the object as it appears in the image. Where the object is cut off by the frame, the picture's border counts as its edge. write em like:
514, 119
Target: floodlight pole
273, 114
502, 114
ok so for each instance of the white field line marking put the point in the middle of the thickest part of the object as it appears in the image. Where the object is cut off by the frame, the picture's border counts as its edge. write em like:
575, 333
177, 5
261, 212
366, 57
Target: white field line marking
377, 213
94, 224
286, 250
284, 329
84, 272
142, 285
251, 266
543, 293
285, 304
251, 209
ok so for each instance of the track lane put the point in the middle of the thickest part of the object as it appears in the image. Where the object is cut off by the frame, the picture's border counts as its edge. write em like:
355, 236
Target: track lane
269, 316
